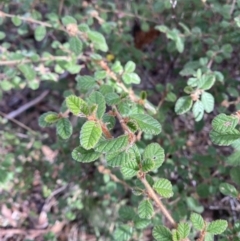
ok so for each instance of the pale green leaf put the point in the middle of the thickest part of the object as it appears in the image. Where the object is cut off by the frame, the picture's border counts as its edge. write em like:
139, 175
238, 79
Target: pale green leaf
98, 40
68, 19
40, 33
234, 159
51, 117
16, 21
198, 110
145, 209
131, 78
112, 98
217, 227
183, 230
225, 138
228, 190
98, 98
85, 82
197, 221
41, 119
130, 169
206, 81
141, 223
117, 67
163, 187
82, 155
100, 74
224, 123
113, 145
130, 67
28, 71
155, 153
148, 165
120, 159
161, 233
75, 104
90, 134
147, 123
2, 35
179, 44
208, 101
75, 45
64, 128
183, 105
123, 233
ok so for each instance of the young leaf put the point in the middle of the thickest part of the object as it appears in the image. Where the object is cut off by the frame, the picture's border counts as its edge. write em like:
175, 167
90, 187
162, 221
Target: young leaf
85, 82
117, 67
113, 145
41, 119
163, 187
145, 209
98, 40
27, 71
117, 159
130, 67
147, 123
40, 33
16, 21
98, 98
81, 155
206, 81
51, 117
161, 233
90, 134
75, 45
208, 101
130, 169
148, 165
217, 227
123, 233
64, 128
155, 153
223, 123
198, 110
226, 138
197, 221
183, 230
131, 78
183, 105
228, 190
75, 104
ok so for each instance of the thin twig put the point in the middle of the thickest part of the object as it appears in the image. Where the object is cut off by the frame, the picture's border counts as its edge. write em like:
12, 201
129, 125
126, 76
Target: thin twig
28, 105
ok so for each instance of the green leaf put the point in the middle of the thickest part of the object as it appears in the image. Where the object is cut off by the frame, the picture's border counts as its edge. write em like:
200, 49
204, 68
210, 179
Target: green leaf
75, 104
27, 71
198, 110
145, 209
123, 233
206, 81
2, 35
117, 67
148, 165
41, 120
68, 19
130, 67
197, 221
228, 190
234, 173
208, 101
130, 169
163, 187
131, 78
141, 223
127, 213
81, 155
64, 128
16, 21
40, 33
113, 145
179, 44
217, 227
155, 153
98, 98
75, 45
120, 159
98, 40
183, 230
132, 125
161, 233
234, 159
147, 123
224, 139
112, 98
85, 82
52, 117
90, 134
223, 123
183, 105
